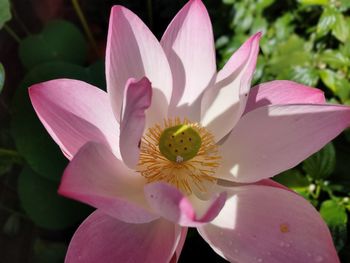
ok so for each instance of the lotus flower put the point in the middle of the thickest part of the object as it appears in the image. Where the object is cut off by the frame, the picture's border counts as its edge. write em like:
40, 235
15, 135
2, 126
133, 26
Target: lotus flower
174, 144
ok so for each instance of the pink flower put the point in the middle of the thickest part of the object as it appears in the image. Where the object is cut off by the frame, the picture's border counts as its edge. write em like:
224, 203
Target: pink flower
176, 144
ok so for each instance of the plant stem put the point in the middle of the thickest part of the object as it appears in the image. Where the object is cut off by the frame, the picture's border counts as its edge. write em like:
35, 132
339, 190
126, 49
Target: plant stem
14, 12
150, 13
15, 156
4, 208
12, 33
85, 25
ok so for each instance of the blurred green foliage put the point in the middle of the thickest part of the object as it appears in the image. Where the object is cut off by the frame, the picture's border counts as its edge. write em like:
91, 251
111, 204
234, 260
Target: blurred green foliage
39, 199
58, 41
2, 77
5, 14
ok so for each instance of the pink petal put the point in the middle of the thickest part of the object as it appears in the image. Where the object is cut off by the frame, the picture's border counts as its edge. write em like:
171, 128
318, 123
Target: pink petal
134, 52
274, 138
97, 178
171, 204
137, 100
268, 224
189, 45
269, 182
180, 245
74, 112
282, 92
224, 103
101, 238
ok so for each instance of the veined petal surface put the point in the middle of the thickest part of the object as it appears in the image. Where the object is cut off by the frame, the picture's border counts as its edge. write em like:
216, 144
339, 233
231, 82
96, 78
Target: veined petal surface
223, 104
189, 45
97, 178
102, 238
269, 224
282, 92
134, 52
75, 112
274, 138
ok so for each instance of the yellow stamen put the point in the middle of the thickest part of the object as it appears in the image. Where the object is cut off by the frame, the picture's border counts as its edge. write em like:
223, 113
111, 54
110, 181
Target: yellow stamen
184, 172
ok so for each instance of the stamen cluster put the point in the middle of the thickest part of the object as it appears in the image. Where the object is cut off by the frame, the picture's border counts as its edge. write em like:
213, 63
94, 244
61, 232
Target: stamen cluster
185, 174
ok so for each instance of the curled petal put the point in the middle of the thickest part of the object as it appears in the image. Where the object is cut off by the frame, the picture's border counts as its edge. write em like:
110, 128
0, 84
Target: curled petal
133, 51
137, 100
282, 92
189, 45
274, 138
268, 224
74, 112
269, 182
102, 238
171, 204
97, 178
224, 103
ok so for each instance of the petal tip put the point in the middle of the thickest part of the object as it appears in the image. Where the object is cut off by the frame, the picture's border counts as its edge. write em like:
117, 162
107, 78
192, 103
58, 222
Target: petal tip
198, 4
257, 37
33, 90
145, 81
117, 8
259, 34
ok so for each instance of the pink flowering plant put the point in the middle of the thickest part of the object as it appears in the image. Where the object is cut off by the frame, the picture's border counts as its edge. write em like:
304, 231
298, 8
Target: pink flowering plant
174, 144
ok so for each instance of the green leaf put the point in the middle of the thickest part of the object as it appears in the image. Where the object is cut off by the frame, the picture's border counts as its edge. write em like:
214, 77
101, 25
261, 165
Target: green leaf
95, 74
283, 26
7, 159
259, 70
31, 138
306, 75
321, 164
329, 78
336, 218
334, 58
327, 21
221, 42
262, 4
294, 43
345, 4
341, 174
246, 23
260, 24
2, 77
314, 2
336, 83
292, 179
44, 206
288, 54
5, 12
341, 28
345, 49
59, 41
49, 252
240, 12
347, 132
12, 225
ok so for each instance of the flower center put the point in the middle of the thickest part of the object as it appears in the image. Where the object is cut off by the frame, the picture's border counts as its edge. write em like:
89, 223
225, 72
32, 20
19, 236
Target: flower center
180, 153
180, 143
